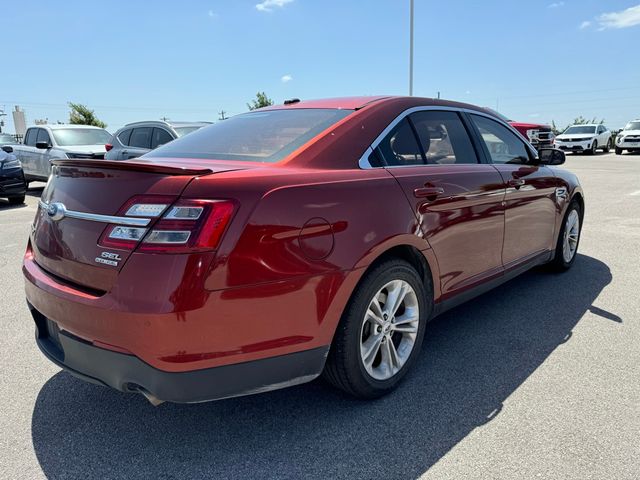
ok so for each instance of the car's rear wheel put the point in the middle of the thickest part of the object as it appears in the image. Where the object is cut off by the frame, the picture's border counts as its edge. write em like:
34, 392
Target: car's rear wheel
569, 238
594, 148
607, 146
17, 200
381, 331
618, 151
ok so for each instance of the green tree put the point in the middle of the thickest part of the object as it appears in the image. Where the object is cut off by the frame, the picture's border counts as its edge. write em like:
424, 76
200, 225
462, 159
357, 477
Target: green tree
81, 115
260, 101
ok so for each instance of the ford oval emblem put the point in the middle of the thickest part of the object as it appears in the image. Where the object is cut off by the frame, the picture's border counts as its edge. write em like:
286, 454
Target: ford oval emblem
56, 211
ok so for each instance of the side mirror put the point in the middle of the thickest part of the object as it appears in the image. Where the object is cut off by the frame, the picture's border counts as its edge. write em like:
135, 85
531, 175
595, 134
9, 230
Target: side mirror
551, 156
7, 148
43, 145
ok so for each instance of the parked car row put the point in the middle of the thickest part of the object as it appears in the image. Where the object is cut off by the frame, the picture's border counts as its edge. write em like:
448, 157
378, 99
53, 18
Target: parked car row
45, 143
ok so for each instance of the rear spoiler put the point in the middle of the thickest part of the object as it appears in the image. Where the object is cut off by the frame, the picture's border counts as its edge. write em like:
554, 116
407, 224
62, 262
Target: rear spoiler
131, 166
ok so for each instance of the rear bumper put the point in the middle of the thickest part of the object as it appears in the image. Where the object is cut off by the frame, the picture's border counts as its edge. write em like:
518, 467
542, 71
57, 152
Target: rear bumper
128, 373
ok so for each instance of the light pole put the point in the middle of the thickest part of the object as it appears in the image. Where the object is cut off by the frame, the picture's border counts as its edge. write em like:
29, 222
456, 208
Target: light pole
411, 48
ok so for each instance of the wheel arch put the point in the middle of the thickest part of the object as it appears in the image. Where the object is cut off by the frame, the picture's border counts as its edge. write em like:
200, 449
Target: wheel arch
423, 261
578, 197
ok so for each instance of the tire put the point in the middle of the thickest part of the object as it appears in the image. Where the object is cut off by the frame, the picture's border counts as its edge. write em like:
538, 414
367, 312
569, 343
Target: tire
346, 367
607, 147
618, 151
16, 200
562, 262
594, 148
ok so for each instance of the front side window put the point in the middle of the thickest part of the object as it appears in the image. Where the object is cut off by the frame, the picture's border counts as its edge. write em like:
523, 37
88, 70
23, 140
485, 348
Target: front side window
30, 137
443, 138
260, 136
43, 136
503, 145
66, 137
400, 146
141, 137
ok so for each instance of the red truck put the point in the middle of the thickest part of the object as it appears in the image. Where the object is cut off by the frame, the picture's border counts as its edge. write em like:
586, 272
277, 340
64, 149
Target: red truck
538, 135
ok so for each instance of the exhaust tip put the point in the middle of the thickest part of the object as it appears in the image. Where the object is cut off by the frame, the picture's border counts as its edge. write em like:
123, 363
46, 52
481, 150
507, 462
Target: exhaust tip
153, 400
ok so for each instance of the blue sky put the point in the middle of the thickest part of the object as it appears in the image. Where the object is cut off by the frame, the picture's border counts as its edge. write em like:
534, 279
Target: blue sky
134, 60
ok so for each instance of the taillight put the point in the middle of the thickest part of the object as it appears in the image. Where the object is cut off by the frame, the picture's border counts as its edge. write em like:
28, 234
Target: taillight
108, 146
184, 226
189, 225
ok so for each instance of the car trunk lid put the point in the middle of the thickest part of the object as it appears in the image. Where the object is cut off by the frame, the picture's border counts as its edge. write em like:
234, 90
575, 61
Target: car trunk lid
85, 197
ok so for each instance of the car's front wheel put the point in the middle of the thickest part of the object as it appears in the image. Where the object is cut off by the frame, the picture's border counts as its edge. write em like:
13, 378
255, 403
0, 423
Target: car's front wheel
618, 151
17, 200
381, 331
569, 238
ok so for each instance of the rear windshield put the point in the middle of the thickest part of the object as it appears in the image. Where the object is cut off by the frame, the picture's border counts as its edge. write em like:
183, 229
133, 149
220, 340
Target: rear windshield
181, 131
575, 129
66, 137
6, 139
267, 136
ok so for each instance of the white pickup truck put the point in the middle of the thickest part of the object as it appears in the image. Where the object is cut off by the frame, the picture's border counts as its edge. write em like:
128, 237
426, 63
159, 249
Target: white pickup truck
43, 143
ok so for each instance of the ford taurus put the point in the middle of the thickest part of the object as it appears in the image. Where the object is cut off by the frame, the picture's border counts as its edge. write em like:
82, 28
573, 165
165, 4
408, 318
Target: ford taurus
314, 237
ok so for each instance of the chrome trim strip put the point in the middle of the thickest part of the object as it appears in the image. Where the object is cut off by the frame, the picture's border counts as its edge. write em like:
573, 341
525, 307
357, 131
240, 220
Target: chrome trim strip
94, 217
363, 162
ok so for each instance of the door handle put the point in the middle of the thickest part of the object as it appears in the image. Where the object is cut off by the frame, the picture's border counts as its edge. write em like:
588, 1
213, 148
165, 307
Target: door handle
516, 182
428, 192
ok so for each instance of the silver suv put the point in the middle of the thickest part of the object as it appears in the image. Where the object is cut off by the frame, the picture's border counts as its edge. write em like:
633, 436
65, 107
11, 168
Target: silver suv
136, 139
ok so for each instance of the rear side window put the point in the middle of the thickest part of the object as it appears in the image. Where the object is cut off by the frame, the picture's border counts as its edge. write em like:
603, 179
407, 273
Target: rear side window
503, 145
160, 137
43, 136
141, 137
400, 147
30, 137
443, 138
123, 137
260, 136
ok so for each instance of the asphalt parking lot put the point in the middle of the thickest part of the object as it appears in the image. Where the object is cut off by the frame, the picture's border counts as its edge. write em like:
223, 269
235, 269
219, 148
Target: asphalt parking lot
540, 378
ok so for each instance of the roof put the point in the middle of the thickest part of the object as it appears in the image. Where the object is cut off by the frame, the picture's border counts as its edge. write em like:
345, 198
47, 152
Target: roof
347, 103
169, 124
57, 126
356, 103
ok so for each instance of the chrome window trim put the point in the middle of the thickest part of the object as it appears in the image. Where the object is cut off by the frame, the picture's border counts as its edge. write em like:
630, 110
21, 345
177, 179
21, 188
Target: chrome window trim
364, 164
94, 217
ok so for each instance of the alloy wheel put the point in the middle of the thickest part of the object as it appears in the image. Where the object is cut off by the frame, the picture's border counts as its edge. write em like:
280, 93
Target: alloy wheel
571, 236
389, 329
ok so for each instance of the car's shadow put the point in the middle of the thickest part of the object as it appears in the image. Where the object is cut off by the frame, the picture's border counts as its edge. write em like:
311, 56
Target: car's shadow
474, 357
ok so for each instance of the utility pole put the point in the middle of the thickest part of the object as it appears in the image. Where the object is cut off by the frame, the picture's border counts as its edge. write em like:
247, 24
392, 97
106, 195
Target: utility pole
438, 95
222, 116
410, 48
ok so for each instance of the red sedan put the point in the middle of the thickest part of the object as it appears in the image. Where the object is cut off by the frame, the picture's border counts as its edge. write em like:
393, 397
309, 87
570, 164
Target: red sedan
311, 238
